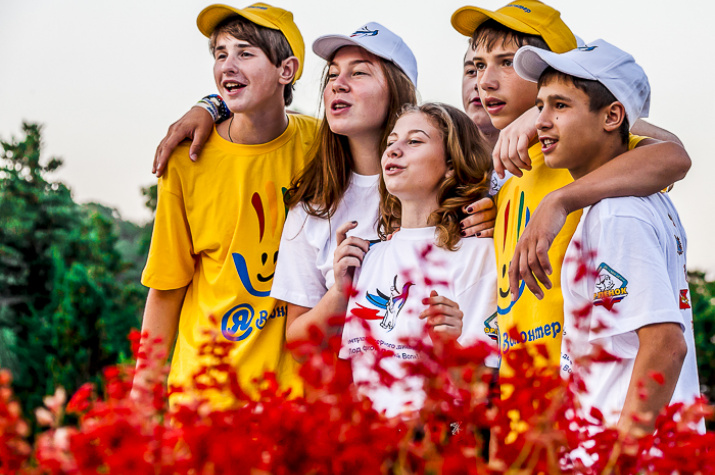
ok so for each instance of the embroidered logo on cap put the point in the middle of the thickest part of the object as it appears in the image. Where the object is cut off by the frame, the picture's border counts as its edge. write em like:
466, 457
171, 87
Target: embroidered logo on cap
363, 32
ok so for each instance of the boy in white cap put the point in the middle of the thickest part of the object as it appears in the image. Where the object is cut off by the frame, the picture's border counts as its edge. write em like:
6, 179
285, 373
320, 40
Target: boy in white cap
624, 276
539, 201
218, 222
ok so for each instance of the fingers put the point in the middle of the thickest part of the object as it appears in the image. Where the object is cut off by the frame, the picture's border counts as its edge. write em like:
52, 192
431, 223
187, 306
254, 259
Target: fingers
161, 157
201, 136
471, 226
482, 216
442, 315
522, 150
342, 232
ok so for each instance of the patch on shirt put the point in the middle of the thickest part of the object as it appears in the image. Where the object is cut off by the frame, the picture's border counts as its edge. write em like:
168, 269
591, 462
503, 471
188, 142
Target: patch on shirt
491, 329
391, 302
611, 287
679, 245
684, 300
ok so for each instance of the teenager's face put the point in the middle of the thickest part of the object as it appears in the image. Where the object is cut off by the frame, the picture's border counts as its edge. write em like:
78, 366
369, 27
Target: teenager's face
570, 134
504, 93
470, 95
245, 77
414, 163
356, 96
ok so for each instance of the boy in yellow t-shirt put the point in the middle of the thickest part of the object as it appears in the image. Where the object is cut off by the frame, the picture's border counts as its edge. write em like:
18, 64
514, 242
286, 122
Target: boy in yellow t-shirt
219, 221
509, 100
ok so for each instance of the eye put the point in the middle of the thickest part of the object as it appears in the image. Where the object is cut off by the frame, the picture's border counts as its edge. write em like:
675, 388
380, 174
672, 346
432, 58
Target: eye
219, 55
332, 75
390, 142
414, 142
360, 73
246, 54
470, 71
539, 107
559, 105
479, 66
507, 63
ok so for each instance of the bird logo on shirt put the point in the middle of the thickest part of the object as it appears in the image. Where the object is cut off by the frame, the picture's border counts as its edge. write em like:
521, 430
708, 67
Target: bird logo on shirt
392, 304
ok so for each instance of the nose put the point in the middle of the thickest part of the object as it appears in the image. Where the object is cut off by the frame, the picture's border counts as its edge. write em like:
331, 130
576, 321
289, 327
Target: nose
229, 65
340, 83
487, 79
394, 150
543, 120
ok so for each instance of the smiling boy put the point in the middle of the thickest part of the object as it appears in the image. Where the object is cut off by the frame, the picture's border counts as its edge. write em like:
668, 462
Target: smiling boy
509, 99
218, 222
635, 286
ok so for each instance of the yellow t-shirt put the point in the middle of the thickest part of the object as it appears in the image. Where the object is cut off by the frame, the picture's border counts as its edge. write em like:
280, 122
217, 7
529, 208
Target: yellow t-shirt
538, 321
217, 229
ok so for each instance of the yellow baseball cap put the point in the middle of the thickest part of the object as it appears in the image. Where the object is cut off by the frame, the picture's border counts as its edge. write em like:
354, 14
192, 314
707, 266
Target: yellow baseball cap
526, 16
261, 14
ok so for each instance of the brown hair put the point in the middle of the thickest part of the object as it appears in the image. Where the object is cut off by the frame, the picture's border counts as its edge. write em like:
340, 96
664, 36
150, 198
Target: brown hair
470, 165
491, 31
272, 42
598, 95
323, 182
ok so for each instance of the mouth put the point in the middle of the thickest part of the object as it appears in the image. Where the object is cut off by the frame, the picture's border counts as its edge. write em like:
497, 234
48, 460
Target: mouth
493, 105
392, 168
547, 144
477, 101
338, 105
261, 278
233, 86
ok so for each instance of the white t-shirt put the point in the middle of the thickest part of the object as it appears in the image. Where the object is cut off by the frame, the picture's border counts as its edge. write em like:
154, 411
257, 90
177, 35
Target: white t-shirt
394, 278
637, 247
304, 271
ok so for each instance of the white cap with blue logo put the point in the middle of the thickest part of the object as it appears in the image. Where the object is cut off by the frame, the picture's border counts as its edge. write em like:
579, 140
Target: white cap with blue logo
598, 61
376, 39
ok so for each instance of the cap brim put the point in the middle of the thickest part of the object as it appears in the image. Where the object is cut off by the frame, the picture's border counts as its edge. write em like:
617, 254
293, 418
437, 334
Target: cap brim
326, 46
467, 19
530, 62
211, 16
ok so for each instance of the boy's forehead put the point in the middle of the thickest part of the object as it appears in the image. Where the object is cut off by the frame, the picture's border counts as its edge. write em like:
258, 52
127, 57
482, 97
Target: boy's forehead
499, 47
560, 87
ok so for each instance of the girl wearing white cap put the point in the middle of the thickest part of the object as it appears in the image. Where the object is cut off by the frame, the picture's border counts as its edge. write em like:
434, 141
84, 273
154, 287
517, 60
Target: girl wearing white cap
370, 75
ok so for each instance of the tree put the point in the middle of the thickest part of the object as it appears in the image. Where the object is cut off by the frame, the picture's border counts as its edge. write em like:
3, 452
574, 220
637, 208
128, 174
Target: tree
65, 308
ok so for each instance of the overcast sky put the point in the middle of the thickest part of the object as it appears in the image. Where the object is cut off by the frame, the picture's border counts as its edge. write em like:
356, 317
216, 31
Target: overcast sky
107, 78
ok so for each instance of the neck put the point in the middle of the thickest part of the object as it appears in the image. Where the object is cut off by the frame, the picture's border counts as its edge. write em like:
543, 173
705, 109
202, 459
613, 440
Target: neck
490, 138
607, 152
415, 213
255, 127
365, 151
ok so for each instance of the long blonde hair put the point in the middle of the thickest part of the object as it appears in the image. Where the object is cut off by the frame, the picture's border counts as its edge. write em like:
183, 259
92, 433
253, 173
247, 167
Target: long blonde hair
322, 183
470, 166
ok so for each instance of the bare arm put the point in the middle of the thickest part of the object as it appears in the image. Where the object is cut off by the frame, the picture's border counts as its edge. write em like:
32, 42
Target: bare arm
348, 255
161, 320
647, 169
662, 349
646, 129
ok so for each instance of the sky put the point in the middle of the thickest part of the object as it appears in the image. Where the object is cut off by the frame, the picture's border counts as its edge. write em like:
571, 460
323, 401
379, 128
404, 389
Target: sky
108, 78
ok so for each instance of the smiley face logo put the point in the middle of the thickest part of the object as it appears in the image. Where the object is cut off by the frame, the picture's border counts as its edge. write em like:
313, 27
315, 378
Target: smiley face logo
515, 220
268, 213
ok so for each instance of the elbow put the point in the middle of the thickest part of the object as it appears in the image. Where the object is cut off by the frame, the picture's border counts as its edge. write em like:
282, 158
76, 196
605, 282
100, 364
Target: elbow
680, 162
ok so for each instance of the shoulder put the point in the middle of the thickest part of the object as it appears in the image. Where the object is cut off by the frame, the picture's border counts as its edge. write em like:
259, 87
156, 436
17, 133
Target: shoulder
304, 124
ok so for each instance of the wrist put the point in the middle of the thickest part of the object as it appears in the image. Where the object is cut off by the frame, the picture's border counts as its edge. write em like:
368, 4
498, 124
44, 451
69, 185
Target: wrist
214, 105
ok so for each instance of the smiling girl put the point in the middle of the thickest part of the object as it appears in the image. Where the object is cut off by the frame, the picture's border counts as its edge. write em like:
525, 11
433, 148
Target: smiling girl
426, 282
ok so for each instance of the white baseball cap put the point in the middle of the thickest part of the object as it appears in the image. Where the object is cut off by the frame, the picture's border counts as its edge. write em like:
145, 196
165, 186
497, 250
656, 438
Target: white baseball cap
376, 39
598, 61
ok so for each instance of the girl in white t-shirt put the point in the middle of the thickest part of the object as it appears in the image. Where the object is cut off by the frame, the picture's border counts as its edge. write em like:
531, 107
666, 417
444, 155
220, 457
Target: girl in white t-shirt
425, 282
370, 75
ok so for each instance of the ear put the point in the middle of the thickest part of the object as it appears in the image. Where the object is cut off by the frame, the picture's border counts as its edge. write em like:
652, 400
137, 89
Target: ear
288, 70
450, 171
614, 116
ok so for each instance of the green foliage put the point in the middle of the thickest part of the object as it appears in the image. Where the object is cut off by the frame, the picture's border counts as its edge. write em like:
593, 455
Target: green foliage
702, 294
69, 291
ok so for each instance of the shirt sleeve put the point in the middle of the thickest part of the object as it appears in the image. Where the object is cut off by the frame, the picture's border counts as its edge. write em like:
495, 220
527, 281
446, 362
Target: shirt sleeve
171, 261
298, 279
630, 287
